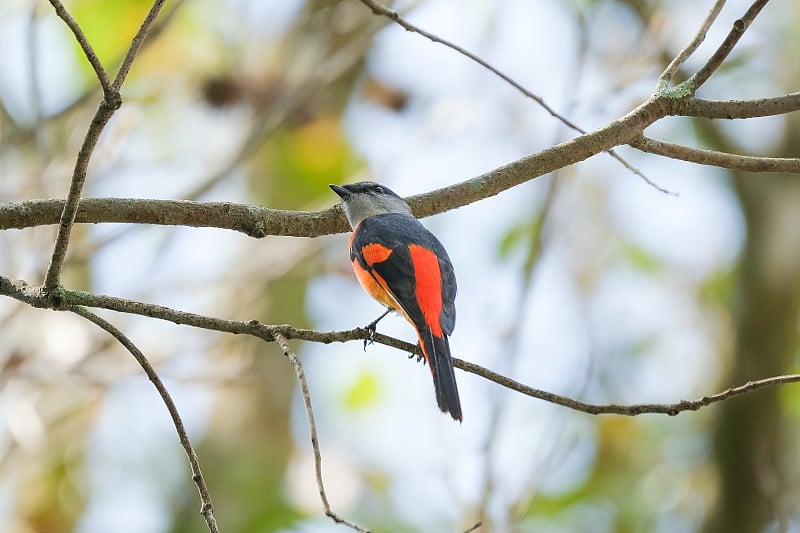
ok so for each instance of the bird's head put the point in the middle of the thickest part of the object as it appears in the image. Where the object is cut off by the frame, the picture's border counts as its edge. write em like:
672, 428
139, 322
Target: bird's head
367, 198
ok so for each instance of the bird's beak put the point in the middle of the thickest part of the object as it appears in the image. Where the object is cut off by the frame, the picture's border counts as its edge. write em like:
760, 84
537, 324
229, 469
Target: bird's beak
343, 192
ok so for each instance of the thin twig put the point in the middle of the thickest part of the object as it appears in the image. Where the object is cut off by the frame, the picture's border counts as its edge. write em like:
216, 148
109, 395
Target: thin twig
382, 10
136, 44
626, 410
206, 508
737, 30
788, 165
100, 72
312, 428
36, 297
641, 174
111, 102
669, 73
164, 21
67, 219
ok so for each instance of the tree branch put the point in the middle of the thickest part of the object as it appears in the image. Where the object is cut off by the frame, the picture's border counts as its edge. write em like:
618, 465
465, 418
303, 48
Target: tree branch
382, 10
736, 109
393, 15
312, 428
737, 30
625, 410
253, 221
164, 21
669, 73
260, 221
94, 61
67, 218
136, 44
256, 221
111, 102
35, 297
206, 508
718, 159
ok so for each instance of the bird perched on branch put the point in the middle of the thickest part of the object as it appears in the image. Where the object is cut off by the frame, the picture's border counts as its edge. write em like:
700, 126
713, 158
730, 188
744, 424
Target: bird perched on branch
403, 266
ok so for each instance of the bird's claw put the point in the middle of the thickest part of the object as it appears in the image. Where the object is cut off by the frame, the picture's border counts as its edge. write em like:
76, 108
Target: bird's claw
419, 356
372, 328
370, 338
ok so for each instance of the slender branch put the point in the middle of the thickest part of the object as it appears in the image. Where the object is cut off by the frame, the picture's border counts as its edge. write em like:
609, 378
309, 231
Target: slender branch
312, 428
136, 44
164, 21
99, 71
393, 15
625, 410
111, 102
67, 218
718, 159
36, 297
737, 109
382, 10
258, 221
206, 508
669, 73
737, 30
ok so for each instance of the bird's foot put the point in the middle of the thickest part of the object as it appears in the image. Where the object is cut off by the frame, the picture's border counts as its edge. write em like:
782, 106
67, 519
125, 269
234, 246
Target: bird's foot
371, 330
419, 356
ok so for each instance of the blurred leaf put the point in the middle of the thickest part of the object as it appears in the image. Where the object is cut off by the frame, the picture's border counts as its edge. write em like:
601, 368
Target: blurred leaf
520, 235
318, 148
363, 393
790, 397
641, 259
109, 27
301, 162
718, 289
52, 502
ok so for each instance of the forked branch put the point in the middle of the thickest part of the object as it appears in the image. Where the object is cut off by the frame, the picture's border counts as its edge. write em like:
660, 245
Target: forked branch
206, 509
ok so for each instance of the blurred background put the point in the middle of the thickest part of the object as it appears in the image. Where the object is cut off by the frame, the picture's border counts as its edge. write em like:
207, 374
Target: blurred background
588, 282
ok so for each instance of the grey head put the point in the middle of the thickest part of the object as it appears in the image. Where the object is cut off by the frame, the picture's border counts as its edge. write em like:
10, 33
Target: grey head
367, 198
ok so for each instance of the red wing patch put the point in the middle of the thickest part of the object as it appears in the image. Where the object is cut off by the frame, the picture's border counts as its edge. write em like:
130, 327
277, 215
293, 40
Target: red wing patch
428, 286
375, 253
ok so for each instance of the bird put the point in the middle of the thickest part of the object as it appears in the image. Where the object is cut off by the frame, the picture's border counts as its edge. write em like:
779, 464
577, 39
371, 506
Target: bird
406, 268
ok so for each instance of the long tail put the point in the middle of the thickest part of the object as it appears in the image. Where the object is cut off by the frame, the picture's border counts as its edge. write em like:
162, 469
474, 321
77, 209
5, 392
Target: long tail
437, 352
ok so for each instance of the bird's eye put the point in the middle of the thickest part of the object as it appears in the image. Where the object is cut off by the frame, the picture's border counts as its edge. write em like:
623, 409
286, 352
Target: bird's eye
379, 189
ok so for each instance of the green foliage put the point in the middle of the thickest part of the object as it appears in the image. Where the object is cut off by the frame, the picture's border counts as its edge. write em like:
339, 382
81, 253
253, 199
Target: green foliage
718, 289
363, 393
53, 502
790, 397
525, 234
109, 27
641, 259
301, 161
